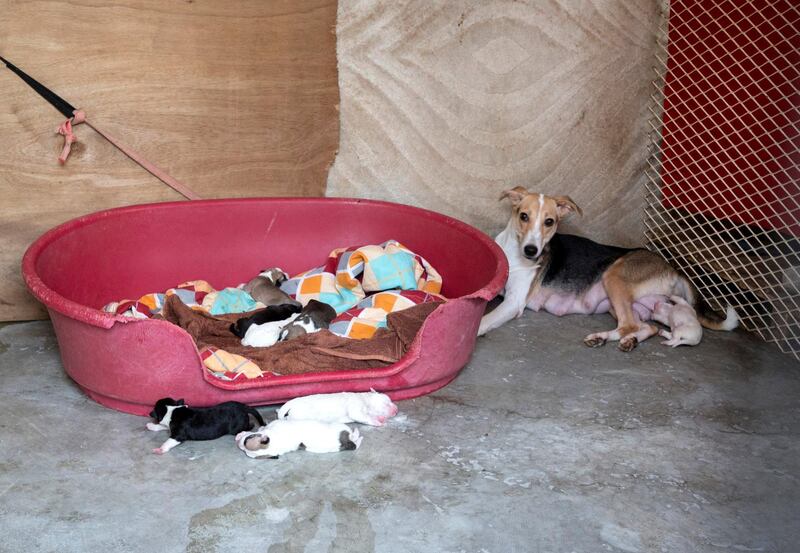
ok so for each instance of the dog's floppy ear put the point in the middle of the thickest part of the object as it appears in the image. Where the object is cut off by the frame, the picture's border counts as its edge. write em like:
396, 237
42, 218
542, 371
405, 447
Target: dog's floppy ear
280, 278
565, 205
515, 194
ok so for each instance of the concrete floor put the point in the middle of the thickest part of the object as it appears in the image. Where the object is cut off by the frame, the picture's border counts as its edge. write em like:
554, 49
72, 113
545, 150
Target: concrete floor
539, 445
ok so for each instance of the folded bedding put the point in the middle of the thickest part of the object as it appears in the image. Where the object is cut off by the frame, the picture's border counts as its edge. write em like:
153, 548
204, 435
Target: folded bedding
349, 274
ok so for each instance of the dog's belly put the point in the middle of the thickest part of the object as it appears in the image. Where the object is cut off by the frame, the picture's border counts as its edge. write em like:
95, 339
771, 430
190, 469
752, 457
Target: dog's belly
565, 302
592, 301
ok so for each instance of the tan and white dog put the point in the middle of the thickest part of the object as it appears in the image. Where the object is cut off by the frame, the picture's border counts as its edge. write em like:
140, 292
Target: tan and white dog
565, 274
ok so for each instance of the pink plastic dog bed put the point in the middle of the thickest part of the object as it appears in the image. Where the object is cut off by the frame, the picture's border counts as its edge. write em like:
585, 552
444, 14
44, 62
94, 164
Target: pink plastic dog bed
128, 364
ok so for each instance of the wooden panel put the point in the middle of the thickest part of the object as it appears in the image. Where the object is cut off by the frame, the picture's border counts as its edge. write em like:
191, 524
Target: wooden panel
445, 104
234, 98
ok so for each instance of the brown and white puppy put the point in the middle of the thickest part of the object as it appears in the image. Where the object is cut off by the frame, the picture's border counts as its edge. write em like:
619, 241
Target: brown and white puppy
265, 288
565, 274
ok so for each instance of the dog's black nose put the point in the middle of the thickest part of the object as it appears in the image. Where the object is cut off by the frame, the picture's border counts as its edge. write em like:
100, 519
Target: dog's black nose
530, 251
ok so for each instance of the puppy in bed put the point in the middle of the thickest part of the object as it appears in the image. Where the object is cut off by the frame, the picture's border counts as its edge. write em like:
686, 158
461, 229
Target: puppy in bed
314, 317
262, 328
265, 288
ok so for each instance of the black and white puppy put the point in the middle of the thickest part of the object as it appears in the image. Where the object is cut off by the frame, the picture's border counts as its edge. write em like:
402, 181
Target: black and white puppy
315, 316
203, 423
269, 314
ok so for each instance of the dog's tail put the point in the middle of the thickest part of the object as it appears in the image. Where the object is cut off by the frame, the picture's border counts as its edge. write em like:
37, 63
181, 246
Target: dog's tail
256, 415
707, 316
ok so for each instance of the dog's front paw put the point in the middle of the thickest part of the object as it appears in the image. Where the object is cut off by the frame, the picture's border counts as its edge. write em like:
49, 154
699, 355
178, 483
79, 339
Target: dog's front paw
158, 451
594, 341
628, 344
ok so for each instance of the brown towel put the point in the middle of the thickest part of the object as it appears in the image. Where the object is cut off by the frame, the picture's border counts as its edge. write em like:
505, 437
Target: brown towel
317, 352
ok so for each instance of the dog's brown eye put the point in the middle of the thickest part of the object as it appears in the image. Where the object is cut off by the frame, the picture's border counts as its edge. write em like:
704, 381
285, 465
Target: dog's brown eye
523, 217
548, 222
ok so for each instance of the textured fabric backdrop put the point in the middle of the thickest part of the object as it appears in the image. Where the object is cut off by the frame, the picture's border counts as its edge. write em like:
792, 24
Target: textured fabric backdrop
445, 104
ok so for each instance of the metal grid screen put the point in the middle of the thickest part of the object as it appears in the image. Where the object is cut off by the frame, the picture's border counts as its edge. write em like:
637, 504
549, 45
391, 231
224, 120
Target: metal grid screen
722, 193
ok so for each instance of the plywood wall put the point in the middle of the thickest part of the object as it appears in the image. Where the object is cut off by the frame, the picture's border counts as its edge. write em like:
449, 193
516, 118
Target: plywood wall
234, 98
445, 104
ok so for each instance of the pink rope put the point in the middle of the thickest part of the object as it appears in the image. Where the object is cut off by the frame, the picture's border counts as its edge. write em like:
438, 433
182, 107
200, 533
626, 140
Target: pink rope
79, 117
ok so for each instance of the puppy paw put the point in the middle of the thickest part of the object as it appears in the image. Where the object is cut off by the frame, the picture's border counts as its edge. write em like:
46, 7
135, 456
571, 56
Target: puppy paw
594, 341
158, 451
356, 438
628, 344
153, 427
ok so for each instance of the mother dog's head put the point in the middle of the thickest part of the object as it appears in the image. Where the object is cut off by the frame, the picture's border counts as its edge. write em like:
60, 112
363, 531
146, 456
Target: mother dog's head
535, 218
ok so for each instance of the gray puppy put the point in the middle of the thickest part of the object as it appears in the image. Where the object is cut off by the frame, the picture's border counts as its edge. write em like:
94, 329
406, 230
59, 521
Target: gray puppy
265, 288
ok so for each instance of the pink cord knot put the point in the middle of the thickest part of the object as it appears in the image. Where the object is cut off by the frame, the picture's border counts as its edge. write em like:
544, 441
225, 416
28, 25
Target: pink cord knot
65, 130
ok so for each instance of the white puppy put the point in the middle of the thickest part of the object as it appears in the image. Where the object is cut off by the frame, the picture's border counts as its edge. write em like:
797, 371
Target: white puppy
267, 334
283, 436
367, 408
681, 318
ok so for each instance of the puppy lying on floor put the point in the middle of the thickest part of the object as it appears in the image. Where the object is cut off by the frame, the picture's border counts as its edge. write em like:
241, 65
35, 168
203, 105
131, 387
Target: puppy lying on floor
283, 436
367, 408
204, 423
681, 318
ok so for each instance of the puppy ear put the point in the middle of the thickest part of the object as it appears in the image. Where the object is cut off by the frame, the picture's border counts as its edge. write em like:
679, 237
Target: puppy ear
565, 205
515, 194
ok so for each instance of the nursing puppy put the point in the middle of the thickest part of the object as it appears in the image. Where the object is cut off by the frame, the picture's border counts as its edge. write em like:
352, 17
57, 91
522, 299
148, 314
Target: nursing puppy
565, 274
265, 288
273, 313
204, 423
283, 436
681, 318
315, 316
367, 408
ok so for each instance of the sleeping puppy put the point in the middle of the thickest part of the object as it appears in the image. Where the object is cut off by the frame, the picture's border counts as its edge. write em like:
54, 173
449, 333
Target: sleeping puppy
269, 314
265, 288
206, 423
681, 318
266, 335
315, 316
367, 408
283, 436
